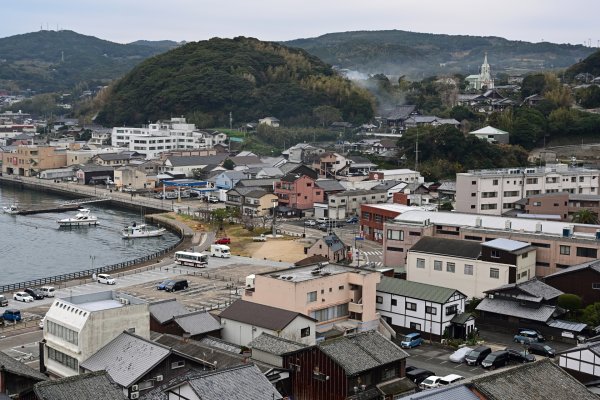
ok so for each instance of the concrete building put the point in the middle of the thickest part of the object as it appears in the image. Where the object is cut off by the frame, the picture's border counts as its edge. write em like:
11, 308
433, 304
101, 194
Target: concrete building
491, 135
469, 267
298, 193
30, 160
77, 327
494, 192
562, 205
348, 203
559, 244
373, 216
404, 175
259, 203
332, 294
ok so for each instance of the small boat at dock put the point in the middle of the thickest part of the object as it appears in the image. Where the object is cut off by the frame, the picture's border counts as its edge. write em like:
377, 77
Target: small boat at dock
141, 231
12, 209
82, 218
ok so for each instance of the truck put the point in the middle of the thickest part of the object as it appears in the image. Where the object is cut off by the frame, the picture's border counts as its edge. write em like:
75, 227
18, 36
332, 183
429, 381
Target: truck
261, 238
220, 250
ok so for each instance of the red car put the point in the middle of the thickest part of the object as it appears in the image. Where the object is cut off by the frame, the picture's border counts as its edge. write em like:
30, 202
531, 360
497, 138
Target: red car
224, 240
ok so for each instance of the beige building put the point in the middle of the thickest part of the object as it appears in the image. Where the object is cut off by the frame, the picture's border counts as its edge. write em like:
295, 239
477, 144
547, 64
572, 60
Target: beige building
347, 203
29, 160
259, 203
77, 327
330, 293
495, 192
134, 177
469, 267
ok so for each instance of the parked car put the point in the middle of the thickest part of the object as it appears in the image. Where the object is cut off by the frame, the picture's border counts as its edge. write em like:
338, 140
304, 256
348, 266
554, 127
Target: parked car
11, 314
448, 379
174, 286
409, 368
35, 293
212, 199
310, 222
430, 382
223, 240
42, 322
418, 375
322, 220
3, 301
541, 350
352, 220
476, 356
163, 284
411, 340
496, 359
106, 278
519, 356
323, 227
528, 336
459, 355
22, 296
48, 291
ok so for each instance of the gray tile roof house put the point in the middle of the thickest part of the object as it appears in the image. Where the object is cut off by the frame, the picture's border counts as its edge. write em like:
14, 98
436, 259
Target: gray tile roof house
362, 351
185, 161
90, 386
274, 345
514, 309
164, 310
534, 289
595, 265
449, 247
260, 315
245, 382
14, 367
415, 290
334, 242
450, 392
198, 322
330, 185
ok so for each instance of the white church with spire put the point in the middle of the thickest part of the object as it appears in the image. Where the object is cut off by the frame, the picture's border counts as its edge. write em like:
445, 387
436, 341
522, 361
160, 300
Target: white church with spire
483, 79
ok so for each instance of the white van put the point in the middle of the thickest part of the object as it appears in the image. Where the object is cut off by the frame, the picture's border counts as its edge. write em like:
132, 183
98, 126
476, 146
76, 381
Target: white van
219, 250
106, 278
48, 291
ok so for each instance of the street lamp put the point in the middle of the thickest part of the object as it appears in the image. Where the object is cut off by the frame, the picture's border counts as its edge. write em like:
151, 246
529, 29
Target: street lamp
92, 258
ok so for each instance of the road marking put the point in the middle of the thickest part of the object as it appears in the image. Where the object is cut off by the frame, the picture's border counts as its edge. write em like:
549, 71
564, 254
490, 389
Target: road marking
444, 362
474, 369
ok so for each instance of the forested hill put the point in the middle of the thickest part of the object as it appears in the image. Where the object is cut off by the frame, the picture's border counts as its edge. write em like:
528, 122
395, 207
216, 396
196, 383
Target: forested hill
49, 61
419, 55
207, 80
591, 65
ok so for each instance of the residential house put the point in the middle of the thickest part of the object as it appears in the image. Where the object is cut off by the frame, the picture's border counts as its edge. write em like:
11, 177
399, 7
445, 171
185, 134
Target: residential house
582, 361
259, 203
138, 364
429, 120
76, 327
330, 246
30, 160
332, 294
243, 321
267, 184
533, 100
298, 169
270, 349
116, 159
582, 280
358, 166
90, 386
297, 194
227, 179
559, 244
492, 135
302, 153
134, 177
391, 187
90, 173
419, 307
495, 191
363, 365
269, 121
468, 266
170, 316
395, 118
330, 165
192, 165
17, 379
447, 190
347, 203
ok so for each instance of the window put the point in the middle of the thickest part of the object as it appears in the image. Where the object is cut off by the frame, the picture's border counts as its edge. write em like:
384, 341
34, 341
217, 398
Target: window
542, 245
414, 233
389, 373
149, 384
415, 327
430, 310
400, 249
495, 182
379, 300
468, 269
525, 255
565, 250
511, 193
305, 332
495, 254
437, 265
489, 206
329, 313
62, 358
488, 195
451, 310
394, 302
62, 332
450, 267
395, 235
477, 238
341, 287
531, 181
411, 306
420, 263
178, 364
311, 296
494, 273
596, 286
586, 252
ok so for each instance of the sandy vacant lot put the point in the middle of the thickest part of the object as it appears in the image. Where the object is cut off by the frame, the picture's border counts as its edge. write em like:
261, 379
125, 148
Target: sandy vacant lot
278, 250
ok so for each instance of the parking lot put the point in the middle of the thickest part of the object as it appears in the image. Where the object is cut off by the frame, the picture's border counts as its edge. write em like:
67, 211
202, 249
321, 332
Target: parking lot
435, 359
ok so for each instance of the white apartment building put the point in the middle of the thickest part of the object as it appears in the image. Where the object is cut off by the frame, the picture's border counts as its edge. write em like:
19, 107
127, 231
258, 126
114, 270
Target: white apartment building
162, 136
404, 175
469, 267
76, 327
494, 192
347, 203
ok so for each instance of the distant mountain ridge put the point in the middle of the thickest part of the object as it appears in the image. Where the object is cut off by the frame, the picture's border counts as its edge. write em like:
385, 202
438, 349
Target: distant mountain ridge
417, 55
49, 61
163, 45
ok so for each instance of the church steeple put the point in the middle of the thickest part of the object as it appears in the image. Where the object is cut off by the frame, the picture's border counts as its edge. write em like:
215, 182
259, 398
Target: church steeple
485, 77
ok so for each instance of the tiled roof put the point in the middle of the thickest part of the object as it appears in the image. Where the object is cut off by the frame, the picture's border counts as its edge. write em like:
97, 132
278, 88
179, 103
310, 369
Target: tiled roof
197, 323
362, 351
334, 242
593, 265
450, 392
386, 185
260, 315
256, 193
256, 182
183, 161
90, 386
415, 290
127, 358
514, 309
274, 345
9, 364
531, 381
395, 386
532, 287
244, 382
330, 185
448, 247
164, 310
400, 112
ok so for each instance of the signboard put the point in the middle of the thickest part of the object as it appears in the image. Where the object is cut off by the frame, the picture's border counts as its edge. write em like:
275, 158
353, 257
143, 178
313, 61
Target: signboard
566, 334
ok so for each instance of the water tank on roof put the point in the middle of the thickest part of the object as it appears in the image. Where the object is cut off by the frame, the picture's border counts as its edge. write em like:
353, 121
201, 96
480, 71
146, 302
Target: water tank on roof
538, 227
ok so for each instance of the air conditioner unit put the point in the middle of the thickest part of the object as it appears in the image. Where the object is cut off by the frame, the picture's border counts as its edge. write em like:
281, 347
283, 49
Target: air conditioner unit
567, 232
134, 395
159, 378
538, 227
507, 225
478, 222
134, 388
124, 301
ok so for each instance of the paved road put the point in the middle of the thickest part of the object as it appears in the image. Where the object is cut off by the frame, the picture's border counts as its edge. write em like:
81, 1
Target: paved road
435, 359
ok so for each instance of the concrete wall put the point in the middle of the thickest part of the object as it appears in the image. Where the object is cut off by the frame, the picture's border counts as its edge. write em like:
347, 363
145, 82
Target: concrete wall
241, 334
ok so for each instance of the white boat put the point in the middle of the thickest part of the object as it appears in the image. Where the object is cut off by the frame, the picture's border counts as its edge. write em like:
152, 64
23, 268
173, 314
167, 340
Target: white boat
82, 218
141, 231
12, 209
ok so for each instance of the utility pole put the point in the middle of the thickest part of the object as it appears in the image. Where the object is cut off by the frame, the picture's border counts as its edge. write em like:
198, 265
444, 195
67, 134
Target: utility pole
417, 153
230, 120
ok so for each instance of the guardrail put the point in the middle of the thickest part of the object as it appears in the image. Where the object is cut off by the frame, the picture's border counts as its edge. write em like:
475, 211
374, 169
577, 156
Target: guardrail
88, 272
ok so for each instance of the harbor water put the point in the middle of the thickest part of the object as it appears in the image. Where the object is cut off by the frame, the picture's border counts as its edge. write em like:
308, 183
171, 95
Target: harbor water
34, 246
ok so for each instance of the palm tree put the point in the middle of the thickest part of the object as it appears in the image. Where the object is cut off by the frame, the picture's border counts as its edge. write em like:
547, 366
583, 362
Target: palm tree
585, 216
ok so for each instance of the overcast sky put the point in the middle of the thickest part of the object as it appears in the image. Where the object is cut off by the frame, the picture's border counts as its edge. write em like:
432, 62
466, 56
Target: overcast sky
123, 21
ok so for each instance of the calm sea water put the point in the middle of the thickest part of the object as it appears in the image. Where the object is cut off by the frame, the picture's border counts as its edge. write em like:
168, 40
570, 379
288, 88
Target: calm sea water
34, 246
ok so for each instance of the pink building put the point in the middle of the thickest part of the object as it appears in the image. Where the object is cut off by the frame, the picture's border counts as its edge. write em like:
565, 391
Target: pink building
298, 192
329, 293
